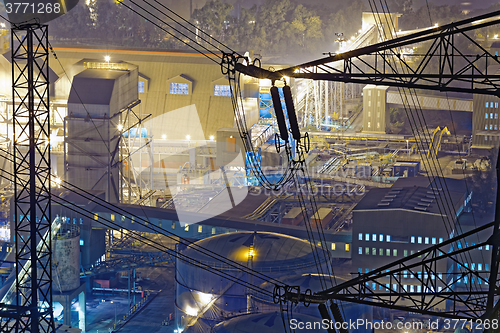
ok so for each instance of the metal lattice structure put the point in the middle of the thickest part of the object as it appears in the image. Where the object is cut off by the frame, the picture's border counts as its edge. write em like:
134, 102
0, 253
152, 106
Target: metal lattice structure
386, 64
30, 73
462, 291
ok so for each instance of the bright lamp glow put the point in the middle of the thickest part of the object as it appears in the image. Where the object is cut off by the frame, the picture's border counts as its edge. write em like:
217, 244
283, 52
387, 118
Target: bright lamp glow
188, 137
212, 137
205, 298
191, 311
107, 58
164, 136
119, 127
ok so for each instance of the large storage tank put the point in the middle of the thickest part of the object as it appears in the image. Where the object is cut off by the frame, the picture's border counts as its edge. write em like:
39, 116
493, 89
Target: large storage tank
66, 258
203, 295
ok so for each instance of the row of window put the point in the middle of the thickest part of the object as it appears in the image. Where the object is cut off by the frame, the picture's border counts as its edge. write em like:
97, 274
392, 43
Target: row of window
473, 266
491, 138
406, 288
380, 251
413, 239
490, 105
347, 247
425, 240
374, 237
223, 90
410, 274
491, 127
491, 115
370, 124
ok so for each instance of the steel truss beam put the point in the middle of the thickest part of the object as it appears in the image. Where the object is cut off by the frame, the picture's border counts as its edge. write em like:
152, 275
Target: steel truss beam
30, 88
437, 288
383, 63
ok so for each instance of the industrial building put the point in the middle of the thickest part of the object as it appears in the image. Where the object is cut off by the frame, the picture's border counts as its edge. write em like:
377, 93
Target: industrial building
164, 192
415, 217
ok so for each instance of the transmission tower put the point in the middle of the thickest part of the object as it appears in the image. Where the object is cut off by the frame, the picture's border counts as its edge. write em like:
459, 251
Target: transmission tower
30, 308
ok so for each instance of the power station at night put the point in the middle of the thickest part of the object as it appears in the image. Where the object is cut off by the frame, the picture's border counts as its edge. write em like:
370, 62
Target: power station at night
210, 183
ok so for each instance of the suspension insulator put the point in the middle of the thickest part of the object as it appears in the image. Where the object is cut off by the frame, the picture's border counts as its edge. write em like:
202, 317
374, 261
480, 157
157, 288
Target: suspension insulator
280, 117
323, 311
337, 315
292, 116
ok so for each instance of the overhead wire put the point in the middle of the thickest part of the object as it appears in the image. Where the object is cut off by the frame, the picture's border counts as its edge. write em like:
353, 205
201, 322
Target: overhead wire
446, 203
153, 228
176, 30
154, 244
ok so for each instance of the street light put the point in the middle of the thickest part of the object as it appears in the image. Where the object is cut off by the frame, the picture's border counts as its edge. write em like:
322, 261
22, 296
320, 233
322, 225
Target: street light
115, 312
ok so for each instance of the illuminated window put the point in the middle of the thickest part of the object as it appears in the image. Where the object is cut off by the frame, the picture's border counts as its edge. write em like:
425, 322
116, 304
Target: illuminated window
491, 104
333, 246
388, 238
412, 239
186, 228
440, 240
405, 253
487, 247
374, 237
486, 267
173, 225
367, 250
223, 90
96, 216
112, 217
179, 88
388, 252
485, 127
486, 105
496, 127
347, 248
394, 252
369, 103
496, 114
381, 238
426, 240
360, 250
141, 87
360, 236
491, 126
367, 237
380, 252
419, 240
369, 124
374, 251
491, 115
200, 228
213, 230
485, 116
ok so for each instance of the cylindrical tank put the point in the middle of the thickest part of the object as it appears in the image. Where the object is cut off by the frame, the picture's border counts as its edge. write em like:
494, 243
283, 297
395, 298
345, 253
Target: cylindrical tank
201, 293
66, 258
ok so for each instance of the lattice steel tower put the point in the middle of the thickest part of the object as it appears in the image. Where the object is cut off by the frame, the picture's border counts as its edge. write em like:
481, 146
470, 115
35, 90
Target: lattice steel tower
32, 300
